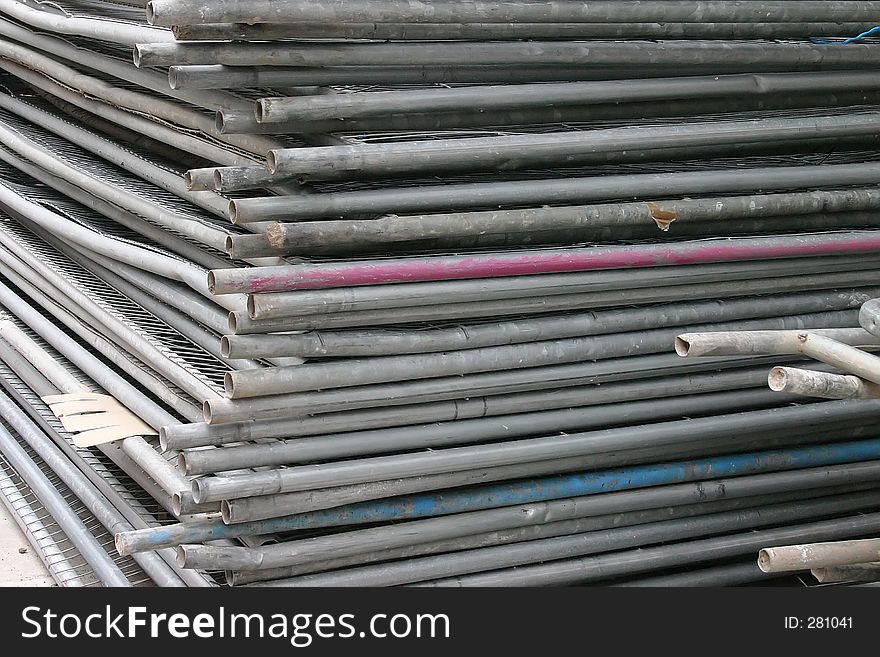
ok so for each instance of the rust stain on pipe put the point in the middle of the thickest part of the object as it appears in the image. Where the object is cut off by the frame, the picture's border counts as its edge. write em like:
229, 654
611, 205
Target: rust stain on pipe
663, 218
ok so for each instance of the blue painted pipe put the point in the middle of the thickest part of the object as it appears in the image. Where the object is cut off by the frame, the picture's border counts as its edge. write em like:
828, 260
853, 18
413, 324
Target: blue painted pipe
517, 492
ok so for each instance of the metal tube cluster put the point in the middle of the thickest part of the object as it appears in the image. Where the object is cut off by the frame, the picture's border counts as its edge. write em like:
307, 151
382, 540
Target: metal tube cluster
396, 287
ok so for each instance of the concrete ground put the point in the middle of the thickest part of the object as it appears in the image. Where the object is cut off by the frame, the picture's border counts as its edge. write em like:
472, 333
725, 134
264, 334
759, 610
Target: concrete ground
19, 568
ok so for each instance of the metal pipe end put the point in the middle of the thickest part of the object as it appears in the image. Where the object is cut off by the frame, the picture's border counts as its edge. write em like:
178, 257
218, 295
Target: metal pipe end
151, 13
163, 439
764, 561
682, 346
120, 545
229, 384
230, 247
226, 512
197, 491
271, 162
188, 181
251, 307
260, 110
212, 282
777, 379
219, 122
232, 320
206, 411
175, 79
232, 210
218, 180
177, 504
180, 554
182, 464
224, 346
136, 54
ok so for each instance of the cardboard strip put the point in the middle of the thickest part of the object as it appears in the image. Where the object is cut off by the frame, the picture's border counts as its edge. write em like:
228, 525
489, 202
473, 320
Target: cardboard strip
96, 419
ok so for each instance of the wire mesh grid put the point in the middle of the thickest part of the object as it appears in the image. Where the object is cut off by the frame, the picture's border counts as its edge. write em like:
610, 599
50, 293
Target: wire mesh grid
173, 346
64, 562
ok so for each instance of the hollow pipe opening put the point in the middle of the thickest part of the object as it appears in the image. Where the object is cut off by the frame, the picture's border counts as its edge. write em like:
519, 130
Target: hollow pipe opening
682, 346
764, 561
229, 384
232, 211
163, 438
174, 77
226, 512
229, 245
777, 379
271, 162
177, 504
224, 346
197, 491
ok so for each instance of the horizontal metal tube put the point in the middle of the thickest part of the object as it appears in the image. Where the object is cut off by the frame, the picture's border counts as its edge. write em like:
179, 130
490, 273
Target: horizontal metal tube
240, 324
707, 549
321, 275
460, 196
663, 214
820, 384
212, 76
466, 404
486, 98
278, 407
680, 522
241, 384
818, 555
638, 112
729, 575
562, 148
538, 238
270, 506
278, 576
631, 395
217, 488
169, 12
410, 295
297, 552
590, 54
744, 343
477, 31
535, 490
378, 342
865, 572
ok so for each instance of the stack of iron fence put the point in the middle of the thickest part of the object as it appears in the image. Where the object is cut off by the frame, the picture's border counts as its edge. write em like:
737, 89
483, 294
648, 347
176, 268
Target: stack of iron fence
396, 284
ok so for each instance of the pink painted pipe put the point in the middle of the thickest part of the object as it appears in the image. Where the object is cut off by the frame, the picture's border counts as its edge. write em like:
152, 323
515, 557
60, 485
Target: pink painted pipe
549, 261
